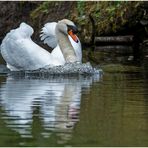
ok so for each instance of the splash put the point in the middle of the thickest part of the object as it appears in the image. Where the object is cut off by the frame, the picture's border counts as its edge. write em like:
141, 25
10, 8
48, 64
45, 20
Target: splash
70, 68
67, 69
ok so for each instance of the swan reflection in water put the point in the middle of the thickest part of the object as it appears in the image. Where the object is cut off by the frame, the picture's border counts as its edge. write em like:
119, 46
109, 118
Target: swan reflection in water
53, 103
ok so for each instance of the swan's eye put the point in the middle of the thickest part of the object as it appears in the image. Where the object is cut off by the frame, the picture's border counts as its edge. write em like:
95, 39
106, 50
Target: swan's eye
73, 28
73, 36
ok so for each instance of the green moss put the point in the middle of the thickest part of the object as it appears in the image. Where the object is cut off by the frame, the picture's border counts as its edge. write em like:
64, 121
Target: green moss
80, 7
43, 8
110, 16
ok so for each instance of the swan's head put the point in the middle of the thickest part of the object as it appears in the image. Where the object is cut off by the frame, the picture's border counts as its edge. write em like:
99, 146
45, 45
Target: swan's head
69, 28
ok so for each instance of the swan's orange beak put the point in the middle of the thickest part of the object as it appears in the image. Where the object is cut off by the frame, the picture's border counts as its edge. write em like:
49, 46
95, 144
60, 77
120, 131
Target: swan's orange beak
73, 36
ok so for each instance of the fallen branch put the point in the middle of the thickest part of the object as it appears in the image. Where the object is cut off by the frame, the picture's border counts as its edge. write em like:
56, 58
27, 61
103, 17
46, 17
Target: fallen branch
114, 39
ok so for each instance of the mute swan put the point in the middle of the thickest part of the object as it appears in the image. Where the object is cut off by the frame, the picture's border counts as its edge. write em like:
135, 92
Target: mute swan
21, 53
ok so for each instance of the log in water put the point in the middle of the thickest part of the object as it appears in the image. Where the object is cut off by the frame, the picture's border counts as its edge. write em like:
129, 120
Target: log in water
114, 39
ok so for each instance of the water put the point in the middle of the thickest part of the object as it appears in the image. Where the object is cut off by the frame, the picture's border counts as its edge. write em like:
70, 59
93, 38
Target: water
110, 109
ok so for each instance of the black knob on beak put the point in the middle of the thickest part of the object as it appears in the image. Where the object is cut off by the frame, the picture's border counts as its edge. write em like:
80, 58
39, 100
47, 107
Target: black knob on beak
73, 28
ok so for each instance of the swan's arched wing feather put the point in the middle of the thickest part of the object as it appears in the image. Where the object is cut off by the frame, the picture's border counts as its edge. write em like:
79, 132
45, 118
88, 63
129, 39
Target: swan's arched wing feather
20, 52
24, 54
12, 51
12, 46
48, 34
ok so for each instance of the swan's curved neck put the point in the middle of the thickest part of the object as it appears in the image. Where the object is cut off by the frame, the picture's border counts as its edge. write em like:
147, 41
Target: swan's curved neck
65, 45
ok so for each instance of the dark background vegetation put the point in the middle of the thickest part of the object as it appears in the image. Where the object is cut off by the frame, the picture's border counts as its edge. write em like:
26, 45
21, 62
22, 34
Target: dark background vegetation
93, 18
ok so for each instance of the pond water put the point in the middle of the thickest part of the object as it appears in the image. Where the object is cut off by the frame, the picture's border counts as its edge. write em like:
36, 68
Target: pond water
109, 109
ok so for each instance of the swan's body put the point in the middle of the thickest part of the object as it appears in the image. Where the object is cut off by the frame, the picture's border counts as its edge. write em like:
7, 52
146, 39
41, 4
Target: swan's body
21, 53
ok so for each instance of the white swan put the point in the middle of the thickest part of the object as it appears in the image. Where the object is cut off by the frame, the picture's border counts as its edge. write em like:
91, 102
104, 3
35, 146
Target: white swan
21, 53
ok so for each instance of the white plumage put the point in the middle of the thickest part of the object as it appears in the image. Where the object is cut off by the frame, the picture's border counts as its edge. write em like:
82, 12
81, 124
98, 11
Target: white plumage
48, 34
21, 53
49, 37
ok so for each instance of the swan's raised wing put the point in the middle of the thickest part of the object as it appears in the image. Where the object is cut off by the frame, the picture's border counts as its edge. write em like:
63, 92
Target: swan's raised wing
21, 53
48, 34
